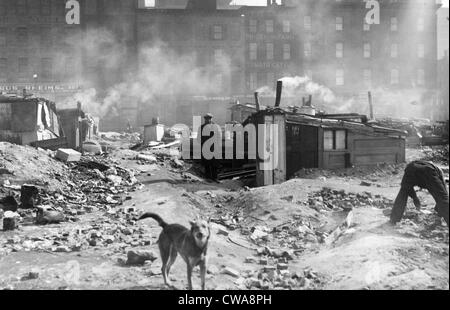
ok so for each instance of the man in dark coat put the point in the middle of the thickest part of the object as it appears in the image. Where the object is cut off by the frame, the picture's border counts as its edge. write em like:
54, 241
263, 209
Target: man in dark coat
424, 175
208, 164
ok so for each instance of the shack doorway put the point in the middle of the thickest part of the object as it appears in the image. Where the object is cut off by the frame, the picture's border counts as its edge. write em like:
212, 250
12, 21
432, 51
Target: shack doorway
302, 148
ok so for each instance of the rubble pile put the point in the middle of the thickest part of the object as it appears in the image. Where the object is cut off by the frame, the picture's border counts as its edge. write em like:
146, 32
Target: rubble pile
372, 173
116, 230
276, 275
25, 164
425, 224
437, 154
93, 188
332, 199
121, 137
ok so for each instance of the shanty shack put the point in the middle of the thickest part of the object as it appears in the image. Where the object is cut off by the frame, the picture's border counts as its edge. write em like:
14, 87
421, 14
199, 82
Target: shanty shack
295, 141
28, 120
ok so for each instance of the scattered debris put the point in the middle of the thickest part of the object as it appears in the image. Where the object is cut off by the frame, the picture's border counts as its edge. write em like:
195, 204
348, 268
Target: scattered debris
140, 257
68, 155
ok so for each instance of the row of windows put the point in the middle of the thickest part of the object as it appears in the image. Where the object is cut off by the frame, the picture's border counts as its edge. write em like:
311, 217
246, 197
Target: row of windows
269, 49
255, 80
367, 50
367, 77
23, 68
339, 25
22, 35
21, 7
269, 26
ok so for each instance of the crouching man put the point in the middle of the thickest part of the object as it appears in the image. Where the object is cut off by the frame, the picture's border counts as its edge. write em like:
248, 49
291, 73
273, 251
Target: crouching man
424, 175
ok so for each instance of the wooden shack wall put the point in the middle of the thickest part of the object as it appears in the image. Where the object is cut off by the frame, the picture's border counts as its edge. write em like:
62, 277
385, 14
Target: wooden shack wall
369, 150
364, 150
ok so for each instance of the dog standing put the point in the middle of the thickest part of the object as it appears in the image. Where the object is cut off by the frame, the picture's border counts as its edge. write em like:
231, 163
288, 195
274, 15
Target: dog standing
192, 245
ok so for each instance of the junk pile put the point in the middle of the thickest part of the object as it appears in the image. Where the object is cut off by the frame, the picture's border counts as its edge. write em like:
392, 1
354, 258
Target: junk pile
426, 224
437, 154
330, 199
370, 173
276, 275
25, 164
89, 201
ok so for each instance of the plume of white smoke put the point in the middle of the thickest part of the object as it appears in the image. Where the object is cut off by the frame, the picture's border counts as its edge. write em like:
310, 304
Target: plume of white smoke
297, 87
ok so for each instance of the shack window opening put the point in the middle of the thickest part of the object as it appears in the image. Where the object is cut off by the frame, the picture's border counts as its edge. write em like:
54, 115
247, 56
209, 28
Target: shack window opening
335, 140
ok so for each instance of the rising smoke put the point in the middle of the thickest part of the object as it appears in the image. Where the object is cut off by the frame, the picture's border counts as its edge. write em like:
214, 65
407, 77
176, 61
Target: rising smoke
161, 72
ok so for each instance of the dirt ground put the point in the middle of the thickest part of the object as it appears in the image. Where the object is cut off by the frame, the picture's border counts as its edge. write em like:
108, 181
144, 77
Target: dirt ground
297, 235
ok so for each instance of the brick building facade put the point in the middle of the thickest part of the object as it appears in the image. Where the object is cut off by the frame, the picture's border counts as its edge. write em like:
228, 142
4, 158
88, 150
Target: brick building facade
323, 39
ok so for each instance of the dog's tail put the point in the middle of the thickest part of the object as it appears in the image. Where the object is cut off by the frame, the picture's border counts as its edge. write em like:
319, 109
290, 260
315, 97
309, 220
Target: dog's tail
156, 217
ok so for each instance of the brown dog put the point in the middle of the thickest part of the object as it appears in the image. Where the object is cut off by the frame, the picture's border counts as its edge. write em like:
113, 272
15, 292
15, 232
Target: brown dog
192, 245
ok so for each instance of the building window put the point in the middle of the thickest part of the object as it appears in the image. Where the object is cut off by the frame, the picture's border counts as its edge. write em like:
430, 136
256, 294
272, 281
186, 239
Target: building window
3, 67
286, 51
307, 49
421, 51
340, 79
219, 81
334, 140
21, 7
46, 68
217, 32
367, 78
421, 77
46, 38
269, 51
46, 7
270, 78
339, 23
307, 23
421, 24
253, 51
339, 50
3, 8
286, 26
367, 50
394, 50
253, 81
22, 35
309, 74
394, 24
253, 25
91, 7
269, 26
69, 69
60, 7
2, 36
395, 77
23, 67
218, 56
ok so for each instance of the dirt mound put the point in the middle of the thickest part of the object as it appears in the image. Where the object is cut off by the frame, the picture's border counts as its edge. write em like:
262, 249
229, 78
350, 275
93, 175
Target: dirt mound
25, 164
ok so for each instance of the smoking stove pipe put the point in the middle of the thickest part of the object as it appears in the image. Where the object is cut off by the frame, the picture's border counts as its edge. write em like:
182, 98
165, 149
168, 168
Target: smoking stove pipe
371, 105
258, 107
279, 92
